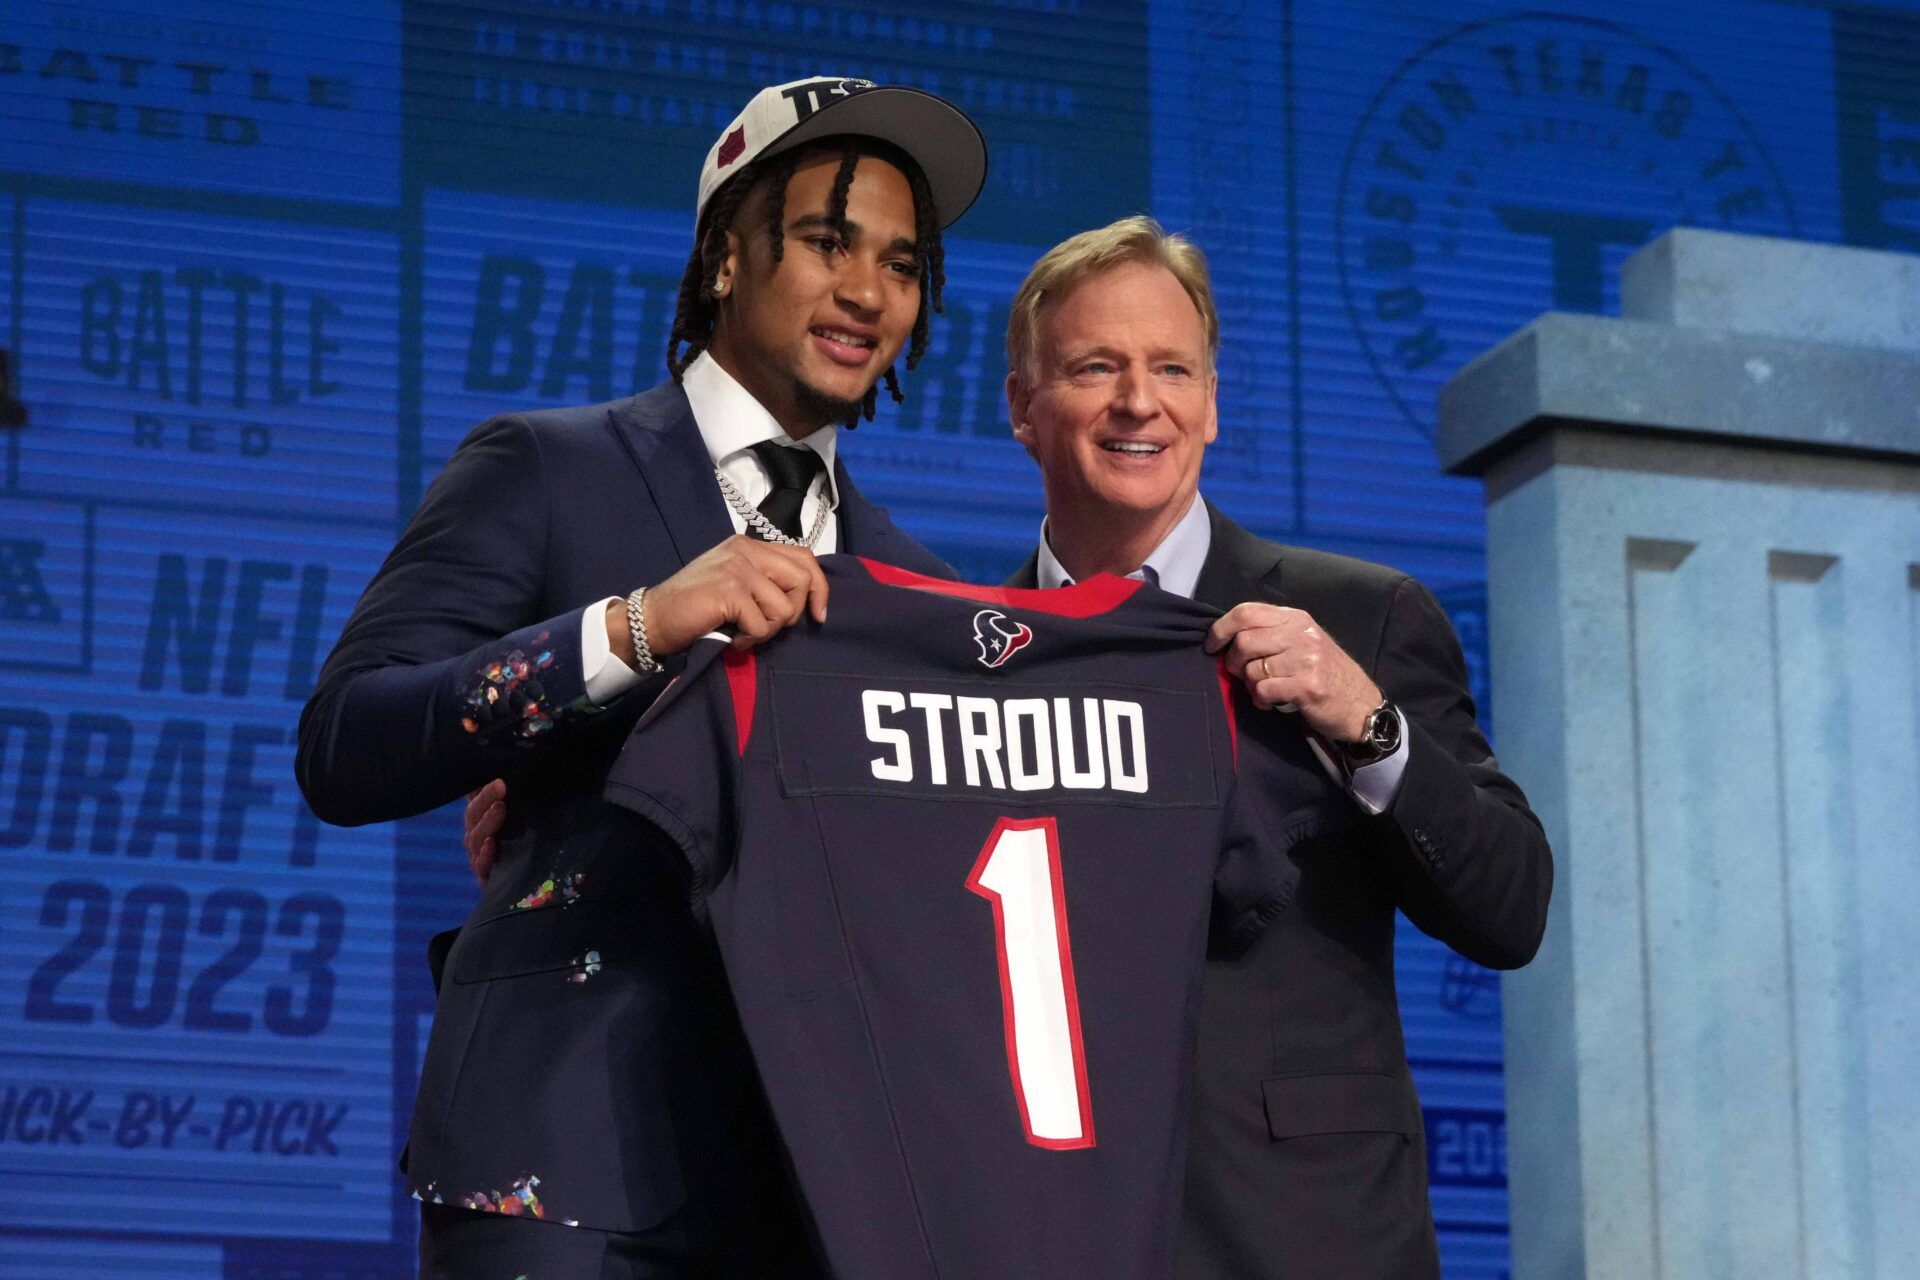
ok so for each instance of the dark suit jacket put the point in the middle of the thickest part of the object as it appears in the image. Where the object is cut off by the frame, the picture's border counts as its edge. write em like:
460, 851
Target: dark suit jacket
1306, 1153
583, 1036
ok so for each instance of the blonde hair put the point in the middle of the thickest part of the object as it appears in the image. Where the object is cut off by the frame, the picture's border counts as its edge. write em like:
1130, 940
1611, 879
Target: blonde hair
1078, 258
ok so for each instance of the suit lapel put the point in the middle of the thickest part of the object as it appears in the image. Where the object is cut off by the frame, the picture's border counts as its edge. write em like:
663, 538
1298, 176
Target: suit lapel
659, 434
1028, 575
1238, 567
864, 528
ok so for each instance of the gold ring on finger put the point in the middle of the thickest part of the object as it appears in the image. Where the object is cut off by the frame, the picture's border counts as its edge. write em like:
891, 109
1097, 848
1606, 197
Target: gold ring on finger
1265, 674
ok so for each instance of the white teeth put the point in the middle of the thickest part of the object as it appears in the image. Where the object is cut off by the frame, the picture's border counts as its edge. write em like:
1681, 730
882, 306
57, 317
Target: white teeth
846, 339
1138, 449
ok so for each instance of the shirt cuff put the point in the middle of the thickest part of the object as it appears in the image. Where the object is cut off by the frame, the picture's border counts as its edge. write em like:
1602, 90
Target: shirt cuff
605, 676
1375, 785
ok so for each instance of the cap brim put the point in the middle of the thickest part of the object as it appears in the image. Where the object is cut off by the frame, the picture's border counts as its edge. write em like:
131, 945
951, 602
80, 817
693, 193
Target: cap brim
938, 135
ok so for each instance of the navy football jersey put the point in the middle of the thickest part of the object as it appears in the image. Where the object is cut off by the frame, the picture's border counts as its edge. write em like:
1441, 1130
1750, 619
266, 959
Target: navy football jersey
959, 846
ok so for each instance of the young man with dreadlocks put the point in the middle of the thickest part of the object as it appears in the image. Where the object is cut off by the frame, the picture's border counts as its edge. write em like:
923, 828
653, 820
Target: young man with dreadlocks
587, 1105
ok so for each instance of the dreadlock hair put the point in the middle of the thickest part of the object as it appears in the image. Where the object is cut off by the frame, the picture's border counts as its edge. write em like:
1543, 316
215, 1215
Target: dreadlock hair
696, 309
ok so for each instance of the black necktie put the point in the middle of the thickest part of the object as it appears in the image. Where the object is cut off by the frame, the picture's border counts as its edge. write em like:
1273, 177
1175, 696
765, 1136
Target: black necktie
790, 471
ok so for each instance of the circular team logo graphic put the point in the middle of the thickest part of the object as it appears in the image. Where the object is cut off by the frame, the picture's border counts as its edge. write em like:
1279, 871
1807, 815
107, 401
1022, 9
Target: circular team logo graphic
998, 637
1506, 169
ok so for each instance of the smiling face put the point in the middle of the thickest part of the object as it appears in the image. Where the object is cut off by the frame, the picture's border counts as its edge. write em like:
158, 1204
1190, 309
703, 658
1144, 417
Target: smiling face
809, 335
1121, 407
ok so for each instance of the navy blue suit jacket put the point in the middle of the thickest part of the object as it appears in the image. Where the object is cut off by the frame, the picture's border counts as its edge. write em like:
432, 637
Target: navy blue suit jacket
584, 1055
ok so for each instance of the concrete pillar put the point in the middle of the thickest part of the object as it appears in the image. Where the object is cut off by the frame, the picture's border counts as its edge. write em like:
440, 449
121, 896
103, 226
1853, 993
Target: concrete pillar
1703, 561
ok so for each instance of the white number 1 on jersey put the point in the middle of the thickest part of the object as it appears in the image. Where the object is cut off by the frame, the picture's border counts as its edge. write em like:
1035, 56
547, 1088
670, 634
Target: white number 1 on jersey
1019, 873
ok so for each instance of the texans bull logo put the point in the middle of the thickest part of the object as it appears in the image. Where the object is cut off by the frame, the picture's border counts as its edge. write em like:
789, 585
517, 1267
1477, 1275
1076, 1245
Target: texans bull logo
998, 638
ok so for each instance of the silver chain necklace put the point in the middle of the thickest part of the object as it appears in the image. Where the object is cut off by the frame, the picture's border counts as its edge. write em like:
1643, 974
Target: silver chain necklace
766, 528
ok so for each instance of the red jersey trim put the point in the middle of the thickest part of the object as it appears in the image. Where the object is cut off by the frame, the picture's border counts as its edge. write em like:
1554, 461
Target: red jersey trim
1232, 710
743, 683
1097, 595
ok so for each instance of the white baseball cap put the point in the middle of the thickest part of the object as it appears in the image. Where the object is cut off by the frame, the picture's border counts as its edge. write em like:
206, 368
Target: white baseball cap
938, 135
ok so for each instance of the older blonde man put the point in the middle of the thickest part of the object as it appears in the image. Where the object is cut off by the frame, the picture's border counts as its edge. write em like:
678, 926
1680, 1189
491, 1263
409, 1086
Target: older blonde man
1307, 1156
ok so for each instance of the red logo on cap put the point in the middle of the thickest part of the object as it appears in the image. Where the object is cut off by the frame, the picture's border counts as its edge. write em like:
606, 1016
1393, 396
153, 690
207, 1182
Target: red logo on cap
731, 146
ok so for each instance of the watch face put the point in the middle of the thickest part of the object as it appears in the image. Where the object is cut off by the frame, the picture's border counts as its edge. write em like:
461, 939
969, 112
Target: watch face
1383, 730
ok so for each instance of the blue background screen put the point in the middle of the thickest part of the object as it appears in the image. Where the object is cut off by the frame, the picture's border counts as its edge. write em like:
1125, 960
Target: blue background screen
263, 265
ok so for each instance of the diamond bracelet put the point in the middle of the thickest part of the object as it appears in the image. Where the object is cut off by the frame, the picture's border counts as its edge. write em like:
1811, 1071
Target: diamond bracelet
643, 660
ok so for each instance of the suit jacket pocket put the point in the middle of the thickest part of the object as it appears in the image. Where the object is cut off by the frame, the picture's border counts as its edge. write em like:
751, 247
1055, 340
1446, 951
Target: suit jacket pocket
543, 940
1349, 1102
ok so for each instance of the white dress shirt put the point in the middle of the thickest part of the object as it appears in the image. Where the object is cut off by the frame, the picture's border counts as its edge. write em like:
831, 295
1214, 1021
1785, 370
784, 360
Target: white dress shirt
1174, 565
731, 422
